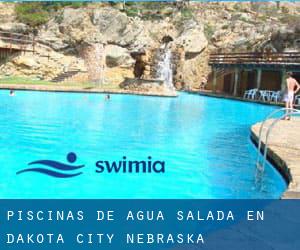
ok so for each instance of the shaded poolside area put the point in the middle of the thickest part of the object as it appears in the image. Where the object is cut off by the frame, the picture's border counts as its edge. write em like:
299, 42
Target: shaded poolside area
229, 96
284, 151
235, 73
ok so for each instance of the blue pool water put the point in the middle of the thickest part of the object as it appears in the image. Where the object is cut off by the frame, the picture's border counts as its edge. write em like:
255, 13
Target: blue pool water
204, 142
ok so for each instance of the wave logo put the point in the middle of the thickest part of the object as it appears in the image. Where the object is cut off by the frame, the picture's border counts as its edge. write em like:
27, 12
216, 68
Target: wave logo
55, 168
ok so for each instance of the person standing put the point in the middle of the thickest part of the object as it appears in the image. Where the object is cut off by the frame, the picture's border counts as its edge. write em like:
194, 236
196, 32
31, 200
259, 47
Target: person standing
292, 88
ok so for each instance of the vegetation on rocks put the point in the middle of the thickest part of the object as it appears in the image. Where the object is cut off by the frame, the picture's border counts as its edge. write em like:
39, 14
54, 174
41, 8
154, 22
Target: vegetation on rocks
38, 13
32, 14
209, 31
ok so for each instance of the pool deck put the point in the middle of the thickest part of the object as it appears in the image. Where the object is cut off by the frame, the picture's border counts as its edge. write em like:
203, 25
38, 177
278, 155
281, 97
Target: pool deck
80, 89
283, 151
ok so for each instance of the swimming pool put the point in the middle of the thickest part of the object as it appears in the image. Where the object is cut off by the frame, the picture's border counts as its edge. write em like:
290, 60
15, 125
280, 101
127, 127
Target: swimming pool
204, 142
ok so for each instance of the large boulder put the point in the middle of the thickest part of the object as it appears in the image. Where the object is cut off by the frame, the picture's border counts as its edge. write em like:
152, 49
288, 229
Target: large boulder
52, 39
194, 69
14, 27
192, 37
25, 61
76, 26
111, 23
118, 56
74, 18
136, 36
286, 37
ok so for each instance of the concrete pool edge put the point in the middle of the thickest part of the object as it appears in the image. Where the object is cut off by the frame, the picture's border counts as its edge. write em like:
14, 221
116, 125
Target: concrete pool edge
282, 157
234, 98
74, 89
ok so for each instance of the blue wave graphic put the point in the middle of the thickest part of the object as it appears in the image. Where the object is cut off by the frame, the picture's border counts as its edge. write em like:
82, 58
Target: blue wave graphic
49, 172
56, 165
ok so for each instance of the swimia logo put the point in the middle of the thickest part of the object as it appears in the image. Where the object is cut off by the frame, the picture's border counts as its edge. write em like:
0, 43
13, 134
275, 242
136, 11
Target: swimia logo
61, 170
55, 168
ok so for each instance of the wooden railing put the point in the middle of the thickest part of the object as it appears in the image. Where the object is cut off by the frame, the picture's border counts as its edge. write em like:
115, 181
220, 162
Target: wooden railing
16, 41
255, 58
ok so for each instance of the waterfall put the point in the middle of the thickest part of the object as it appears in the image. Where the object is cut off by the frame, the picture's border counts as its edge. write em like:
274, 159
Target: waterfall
94, 57
165, 71
100, 59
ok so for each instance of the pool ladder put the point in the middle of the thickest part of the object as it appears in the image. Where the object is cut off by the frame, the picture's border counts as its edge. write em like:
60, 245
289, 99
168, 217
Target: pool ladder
260, 164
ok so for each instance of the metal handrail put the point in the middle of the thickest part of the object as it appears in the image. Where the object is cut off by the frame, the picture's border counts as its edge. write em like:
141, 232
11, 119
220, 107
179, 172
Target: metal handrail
292, 112
269, 131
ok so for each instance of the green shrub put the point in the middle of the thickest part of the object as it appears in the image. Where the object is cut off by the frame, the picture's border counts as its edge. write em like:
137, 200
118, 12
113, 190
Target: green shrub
32, 14
132, 12
208, 31
187, 13
54, 6
38, 13
238, 7
284, 10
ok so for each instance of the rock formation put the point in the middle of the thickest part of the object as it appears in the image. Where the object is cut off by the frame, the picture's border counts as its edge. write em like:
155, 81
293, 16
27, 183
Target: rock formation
131, 41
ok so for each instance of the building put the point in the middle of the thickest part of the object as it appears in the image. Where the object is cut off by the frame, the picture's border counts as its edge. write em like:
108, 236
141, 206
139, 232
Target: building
234, 73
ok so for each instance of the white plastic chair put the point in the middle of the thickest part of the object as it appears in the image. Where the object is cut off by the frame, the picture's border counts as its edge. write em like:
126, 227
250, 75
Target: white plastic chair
275, 96
246, 94
253, 94
263, 95
297, 99
250, 94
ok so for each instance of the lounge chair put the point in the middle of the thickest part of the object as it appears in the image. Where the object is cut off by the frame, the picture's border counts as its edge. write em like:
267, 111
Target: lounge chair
250, 94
